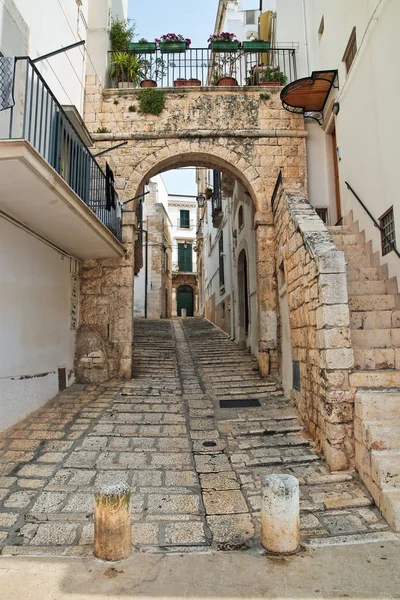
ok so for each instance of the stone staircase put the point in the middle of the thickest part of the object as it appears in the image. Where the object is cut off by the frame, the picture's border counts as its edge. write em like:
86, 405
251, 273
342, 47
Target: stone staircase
374, 305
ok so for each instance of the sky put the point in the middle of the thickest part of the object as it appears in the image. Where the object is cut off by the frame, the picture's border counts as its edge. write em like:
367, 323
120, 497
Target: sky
194, 20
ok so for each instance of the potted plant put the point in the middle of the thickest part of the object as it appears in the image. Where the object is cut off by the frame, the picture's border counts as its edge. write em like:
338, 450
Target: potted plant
143, 46
173, 42
263, 75
224, 70
256, 45
224, 42
193, 82
153, 70
208, 193
180, 82
126, 69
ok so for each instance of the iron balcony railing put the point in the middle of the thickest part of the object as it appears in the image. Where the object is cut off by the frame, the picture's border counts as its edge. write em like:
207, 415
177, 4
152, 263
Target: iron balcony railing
202, 66
38, 118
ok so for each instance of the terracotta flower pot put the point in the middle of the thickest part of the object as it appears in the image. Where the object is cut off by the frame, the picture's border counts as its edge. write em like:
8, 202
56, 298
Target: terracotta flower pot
227, 81
193, 82
274, 83
146, 83
180, 82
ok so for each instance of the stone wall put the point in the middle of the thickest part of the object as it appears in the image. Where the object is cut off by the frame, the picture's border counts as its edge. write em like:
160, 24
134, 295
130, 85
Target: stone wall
159, 277
315, 273
219, 314
236, 130
105, 334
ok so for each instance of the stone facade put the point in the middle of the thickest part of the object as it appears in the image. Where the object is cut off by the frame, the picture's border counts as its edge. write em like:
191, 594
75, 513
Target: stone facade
315, 273
236, 131
159, 247
219, 314
105, 334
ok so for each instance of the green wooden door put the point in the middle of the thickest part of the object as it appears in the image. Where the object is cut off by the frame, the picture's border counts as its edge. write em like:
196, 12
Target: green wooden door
185, 262
185, 300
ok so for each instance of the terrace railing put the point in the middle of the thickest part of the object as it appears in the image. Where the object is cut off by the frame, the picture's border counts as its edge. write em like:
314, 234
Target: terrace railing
38, 118
205, 67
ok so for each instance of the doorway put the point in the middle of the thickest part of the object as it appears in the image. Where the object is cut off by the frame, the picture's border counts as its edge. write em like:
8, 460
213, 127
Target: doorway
243, 288
185, 300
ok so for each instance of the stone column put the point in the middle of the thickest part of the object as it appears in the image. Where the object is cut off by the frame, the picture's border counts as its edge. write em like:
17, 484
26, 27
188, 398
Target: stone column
112, 522
266, 293
280, 514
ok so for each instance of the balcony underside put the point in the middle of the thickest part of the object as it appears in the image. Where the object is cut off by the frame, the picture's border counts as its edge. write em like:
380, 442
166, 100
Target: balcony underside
309, 94
35, 195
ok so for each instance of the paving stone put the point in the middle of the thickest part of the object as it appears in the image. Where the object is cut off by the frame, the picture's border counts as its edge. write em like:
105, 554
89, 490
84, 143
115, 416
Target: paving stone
219, 481
171, 460
145, 534
81, 458
224, 502
55, 534
212, 463
181, 478
49, 502
80, 503
31, 483
3, 536
19, 499
8, 519
185, 533
231, 531
173, 503
36, 470
87, 537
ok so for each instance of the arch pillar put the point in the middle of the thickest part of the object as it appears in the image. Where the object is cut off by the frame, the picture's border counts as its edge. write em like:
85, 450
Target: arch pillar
266, 293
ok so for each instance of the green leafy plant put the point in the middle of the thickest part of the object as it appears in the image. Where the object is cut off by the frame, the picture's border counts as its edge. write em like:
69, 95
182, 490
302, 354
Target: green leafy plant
154, 68
265, 96
262, 74
116, 102
103, 130
122, 33
208, 193
143, 41
151, 101
126, 67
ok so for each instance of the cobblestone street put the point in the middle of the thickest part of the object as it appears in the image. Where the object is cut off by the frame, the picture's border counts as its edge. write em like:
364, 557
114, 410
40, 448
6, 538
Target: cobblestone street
193, 460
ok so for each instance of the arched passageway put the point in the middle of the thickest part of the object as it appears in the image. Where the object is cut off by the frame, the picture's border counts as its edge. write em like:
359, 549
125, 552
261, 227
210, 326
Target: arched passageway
185, 300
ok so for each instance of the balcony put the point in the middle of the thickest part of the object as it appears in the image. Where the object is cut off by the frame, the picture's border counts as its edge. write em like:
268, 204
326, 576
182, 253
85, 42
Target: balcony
204, 67
50, 181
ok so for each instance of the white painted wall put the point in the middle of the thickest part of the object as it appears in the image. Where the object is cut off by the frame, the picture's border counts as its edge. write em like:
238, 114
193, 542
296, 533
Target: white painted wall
35, 334
180, 235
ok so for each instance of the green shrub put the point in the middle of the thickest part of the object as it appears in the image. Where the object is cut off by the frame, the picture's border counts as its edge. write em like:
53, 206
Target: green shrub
122, 33
151, 101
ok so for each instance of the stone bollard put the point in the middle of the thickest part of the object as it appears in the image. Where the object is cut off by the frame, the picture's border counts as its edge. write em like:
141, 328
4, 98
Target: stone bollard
112, 521
280, 514
183, 313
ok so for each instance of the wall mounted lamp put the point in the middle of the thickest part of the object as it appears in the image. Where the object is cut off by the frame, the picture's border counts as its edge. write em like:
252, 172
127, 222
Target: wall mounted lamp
336, 108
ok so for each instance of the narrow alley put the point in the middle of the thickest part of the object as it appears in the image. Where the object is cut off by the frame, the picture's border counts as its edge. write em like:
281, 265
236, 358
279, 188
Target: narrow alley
191, 433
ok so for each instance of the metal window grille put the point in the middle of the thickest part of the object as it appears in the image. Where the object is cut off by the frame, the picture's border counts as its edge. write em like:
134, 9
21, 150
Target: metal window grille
221, 260
323, 214
387, 224
351, 50
296, 375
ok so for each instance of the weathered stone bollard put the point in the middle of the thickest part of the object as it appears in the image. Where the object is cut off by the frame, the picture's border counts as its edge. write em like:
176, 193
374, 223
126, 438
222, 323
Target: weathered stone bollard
183, 313
112, 521
280, 514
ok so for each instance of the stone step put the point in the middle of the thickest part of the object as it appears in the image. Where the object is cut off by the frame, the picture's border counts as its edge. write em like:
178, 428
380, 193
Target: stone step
375, 379
390, 507
372, 302
382, 435
373, 405
362, 288
349, 239
354, 251
374, 358
359, 262
386, 468
362, 273
375, 338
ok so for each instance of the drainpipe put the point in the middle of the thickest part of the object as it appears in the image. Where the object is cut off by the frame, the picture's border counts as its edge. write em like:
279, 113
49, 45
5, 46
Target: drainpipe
146, 271
305, 37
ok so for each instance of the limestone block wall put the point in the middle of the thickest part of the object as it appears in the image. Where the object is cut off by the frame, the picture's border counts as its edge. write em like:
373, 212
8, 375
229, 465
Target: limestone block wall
319, 322
105, 334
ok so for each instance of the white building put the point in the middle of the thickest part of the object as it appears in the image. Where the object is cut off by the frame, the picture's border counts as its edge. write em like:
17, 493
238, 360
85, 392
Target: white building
46, 224
358, 144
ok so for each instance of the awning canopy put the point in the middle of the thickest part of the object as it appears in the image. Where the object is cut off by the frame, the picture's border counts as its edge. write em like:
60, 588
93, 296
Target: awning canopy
309, 94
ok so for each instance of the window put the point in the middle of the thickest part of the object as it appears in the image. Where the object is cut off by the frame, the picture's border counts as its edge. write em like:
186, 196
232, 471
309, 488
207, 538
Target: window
221, 261
351, 50
323, 214
387, 224
240, 218
250, 17
184, 219
185, 262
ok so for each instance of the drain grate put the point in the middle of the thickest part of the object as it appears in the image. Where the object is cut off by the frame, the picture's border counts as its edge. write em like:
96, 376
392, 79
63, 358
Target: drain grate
248, 403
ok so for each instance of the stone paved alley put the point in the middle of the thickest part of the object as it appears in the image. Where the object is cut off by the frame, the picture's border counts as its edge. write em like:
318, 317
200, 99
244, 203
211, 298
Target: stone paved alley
194, 466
